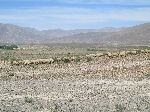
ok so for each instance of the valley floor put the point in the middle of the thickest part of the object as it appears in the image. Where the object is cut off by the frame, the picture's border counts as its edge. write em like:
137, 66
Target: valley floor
74, 95
103, 84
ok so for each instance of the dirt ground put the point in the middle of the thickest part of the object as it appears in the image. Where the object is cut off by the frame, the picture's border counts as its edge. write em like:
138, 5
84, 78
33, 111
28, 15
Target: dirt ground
74, 95
120, 84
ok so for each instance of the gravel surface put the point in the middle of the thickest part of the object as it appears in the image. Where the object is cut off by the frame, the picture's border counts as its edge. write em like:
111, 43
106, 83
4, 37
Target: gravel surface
102, 85
74, 95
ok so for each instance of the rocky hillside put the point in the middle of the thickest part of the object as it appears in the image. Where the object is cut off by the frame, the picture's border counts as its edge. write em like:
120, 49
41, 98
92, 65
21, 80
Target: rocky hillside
139, 34
14, 34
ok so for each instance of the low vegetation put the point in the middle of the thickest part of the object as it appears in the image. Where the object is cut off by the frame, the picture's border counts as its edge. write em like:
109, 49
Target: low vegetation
148, 75
57, 78
28, 99
8, 47
120, 108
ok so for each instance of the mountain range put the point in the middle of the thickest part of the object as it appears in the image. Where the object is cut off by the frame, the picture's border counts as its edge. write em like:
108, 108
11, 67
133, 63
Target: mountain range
139, 34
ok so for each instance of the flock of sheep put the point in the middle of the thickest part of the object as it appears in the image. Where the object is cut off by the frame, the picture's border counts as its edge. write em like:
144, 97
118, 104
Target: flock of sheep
78, 58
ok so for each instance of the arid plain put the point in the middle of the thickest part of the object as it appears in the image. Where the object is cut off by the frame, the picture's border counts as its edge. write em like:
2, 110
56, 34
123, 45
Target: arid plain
75, 78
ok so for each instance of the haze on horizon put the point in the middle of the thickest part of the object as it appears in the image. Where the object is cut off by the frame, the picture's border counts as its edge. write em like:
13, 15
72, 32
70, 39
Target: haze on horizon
74, 14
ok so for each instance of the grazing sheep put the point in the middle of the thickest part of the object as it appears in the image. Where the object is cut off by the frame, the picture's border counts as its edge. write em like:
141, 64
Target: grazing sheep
133, 52
91, 55
122, 54
100, 54
109, 54
147, 51
36, 62
26, 62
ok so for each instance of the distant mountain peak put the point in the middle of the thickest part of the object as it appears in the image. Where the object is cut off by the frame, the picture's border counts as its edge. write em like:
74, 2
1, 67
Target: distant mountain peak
139, 34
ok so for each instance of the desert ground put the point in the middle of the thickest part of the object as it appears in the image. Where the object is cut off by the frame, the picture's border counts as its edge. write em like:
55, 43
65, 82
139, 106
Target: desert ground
75, 78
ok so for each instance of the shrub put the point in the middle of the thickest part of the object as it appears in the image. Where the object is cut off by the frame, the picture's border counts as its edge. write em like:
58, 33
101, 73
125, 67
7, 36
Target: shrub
28, 100
120, 108
6, 58
148, 75
9, 58
8, 47
66, 60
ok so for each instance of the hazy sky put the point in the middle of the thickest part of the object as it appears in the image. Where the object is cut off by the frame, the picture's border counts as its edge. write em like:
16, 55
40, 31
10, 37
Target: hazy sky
74, 14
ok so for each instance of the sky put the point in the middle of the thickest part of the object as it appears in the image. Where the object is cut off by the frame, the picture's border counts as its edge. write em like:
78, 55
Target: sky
74, 14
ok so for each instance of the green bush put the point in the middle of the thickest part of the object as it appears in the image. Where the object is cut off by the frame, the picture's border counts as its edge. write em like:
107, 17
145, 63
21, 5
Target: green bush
8, 47
148, 75
28, 100
66, 60
6, 58
120, 108
9, 58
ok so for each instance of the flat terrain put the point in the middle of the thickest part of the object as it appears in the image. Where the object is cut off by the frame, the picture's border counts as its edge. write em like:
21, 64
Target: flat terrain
74, 95
89, 84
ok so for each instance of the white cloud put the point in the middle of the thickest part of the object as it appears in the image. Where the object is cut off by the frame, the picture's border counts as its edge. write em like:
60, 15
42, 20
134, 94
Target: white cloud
80, 14
69, 16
